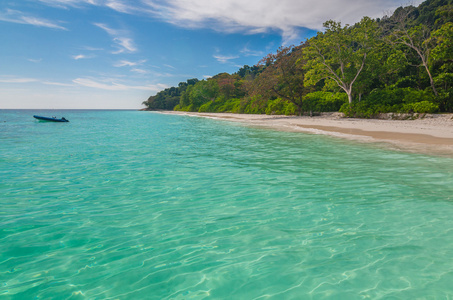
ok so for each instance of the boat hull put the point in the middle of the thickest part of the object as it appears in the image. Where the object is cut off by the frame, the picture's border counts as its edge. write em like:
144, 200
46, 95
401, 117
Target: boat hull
50, 119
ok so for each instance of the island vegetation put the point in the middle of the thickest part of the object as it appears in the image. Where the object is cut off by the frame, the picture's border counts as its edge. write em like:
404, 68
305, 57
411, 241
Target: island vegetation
401, 63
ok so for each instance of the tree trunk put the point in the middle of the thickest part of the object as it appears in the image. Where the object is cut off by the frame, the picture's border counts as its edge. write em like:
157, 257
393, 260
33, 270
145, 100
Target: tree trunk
349, 97
299, 108
433, 86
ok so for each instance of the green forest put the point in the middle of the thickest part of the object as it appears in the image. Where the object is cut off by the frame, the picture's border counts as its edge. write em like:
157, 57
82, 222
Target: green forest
402, 63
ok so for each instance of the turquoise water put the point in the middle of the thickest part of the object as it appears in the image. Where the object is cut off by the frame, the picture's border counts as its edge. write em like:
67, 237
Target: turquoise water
140, 205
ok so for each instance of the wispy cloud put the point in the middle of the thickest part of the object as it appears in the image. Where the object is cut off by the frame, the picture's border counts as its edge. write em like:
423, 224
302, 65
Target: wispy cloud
70, 3
25, 80
107, 29
17, 80
169, 66
34, 60
111, 85
133, 65
259, 16
15, 16
247, 52
82, 56
122, 41
57, 83
126, 44
140, 71
126, 63
224, 58
120, 6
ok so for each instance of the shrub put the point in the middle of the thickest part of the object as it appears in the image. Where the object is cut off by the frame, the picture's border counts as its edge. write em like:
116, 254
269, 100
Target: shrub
185, 108
231, 105
358, 110
207, 107
324, 101
290, 109
420, 107
254, 105
412, 96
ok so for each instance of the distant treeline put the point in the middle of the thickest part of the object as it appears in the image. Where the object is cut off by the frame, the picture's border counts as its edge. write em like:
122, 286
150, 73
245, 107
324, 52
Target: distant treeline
401, 63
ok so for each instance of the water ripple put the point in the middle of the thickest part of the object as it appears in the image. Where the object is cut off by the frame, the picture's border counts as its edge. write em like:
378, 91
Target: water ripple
169, 207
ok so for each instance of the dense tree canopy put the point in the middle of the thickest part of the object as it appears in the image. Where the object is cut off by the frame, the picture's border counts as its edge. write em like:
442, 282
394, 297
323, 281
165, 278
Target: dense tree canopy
400, 63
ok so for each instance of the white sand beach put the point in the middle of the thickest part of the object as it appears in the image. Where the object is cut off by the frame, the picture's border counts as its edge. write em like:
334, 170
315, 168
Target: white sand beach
432, 134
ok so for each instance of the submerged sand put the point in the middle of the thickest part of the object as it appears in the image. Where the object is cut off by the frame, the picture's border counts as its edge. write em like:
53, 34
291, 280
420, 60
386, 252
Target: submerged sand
432, 134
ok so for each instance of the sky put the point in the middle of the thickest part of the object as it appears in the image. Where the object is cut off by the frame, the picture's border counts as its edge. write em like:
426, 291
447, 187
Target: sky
114, 54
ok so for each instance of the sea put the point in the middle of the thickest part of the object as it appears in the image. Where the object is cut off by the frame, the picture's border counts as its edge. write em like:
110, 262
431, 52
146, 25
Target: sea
145, 205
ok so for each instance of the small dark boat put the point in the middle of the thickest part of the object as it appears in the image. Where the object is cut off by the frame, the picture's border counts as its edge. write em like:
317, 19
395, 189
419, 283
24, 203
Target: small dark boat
53, 119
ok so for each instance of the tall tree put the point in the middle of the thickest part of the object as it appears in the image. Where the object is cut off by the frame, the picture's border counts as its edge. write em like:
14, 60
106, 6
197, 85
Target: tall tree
282, 76
413, 38
340, 53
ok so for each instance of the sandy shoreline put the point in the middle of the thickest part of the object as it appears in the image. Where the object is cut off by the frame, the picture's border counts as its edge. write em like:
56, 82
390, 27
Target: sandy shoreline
431, 135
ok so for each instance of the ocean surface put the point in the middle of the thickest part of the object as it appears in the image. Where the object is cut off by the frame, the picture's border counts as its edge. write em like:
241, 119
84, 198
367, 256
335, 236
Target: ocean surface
141, 205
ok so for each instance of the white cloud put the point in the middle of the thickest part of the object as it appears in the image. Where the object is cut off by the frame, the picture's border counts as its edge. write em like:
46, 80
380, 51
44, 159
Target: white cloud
126, 63
224, 58
120, 6
140, 71
33, 60
126, 45
70, 3
169, 66
24, 80
17, 80
107, 29
114, 86
247, 52
258, 16
81, 56
57, 83
122, 41
15, 16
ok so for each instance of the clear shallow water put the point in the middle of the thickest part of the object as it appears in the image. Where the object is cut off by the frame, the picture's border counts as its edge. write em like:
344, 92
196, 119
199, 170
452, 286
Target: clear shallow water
138, 205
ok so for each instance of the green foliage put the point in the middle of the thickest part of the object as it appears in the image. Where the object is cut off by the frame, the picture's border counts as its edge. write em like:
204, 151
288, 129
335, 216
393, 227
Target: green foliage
443, 50
401, 100
357, 110
168, 98
340, 54
324, 101
221, 105
247, 71
420, 107
254, 105
433, 12
280, 107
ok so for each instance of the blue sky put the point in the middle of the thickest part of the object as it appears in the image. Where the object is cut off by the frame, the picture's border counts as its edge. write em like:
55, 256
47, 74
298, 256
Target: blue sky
107, 54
